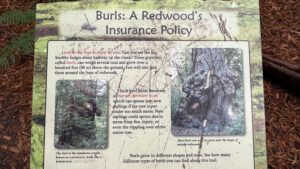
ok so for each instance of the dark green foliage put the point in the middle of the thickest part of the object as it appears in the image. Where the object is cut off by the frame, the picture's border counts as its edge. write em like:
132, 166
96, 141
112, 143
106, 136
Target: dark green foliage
238, 125
233, 60
23, 43
18, 17
75, 127
183, 71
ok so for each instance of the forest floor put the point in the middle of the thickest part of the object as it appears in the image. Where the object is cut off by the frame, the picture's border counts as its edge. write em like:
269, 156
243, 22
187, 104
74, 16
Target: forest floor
280, 39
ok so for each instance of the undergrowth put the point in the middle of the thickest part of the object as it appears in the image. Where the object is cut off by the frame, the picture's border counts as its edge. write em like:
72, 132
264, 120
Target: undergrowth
22, 43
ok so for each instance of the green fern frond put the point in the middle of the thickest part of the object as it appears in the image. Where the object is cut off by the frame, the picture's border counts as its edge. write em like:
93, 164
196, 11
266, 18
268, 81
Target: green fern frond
17, 17
23, 43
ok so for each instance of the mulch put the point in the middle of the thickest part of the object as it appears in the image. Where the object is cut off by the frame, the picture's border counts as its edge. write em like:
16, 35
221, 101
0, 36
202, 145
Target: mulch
280, 26
280, 30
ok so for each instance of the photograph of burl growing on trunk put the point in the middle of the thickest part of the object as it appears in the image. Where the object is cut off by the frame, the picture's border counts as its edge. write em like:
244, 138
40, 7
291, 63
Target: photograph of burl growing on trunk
81, 114
207, 94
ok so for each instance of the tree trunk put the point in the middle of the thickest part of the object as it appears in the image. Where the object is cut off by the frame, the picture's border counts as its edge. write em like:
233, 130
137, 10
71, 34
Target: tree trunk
210, 89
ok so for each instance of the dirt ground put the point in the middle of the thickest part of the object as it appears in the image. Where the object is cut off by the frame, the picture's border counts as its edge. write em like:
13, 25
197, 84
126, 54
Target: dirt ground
280, 39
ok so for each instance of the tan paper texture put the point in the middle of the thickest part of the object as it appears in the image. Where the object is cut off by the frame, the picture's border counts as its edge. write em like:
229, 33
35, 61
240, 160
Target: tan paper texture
124, 79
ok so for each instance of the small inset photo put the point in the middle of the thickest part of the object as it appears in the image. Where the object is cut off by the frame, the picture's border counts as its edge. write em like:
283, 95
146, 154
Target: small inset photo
207, 92
81, 114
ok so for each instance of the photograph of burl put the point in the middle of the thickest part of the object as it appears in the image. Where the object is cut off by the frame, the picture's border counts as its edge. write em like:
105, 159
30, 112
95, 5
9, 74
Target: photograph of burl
81, 114
207, 94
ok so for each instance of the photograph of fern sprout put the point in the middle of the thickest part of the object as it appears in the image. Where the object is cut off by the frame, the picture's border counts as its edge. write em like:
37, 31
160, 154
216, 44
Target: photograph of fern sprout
81, 114
207, 94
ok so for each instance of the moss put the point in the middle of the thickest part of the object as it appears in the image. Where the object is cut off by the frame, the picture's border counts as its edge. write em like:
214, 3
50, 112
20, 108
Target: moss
55, 8
257, 90
170, 4
38, 98
41, 45
260, 150
39, 81
37, 148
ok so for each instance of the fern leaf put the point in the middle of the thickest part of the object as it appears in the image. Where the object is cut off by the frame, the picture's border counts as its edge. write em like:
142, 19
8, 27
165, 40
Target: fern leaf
4, 62
17, 17
23, 43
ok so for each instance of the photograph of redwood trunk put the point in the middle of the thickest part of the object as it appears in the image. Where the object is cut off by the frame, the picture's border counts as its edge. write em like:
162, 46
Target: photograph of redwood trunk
208, 92
81, 114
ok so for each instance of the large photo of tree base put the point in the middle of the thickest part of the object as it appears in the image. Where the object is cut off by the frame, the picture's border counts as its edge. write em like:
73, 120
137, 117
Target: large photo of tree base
207, 93
81, 114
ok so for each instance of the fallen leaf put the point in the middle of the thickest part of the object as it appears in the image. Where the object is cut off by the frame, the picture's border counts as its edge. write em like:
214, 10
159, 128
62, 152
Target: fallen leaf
4, 147
8, 138
14, 149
